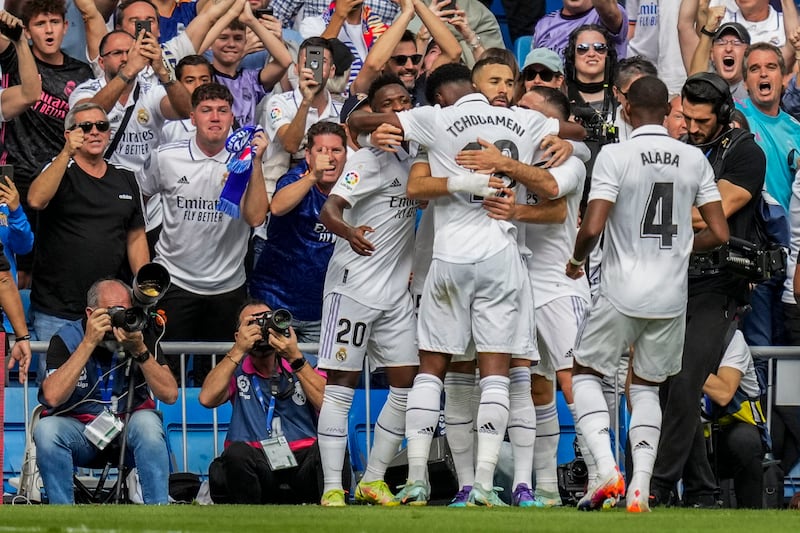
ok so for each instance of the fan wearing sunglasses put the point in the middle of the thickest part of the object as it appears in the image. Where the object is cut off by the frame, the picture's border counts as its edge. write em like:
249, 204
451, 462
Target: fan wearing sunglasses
90, 222
542, 68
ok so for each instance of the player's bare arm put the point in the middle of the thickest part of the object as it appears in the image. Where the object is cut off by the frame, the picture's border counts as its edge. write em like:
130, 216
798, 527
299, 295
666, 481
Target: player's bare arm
592, 226
423, 186
733, 199
716, 233
545, 212
536, 179
331, 216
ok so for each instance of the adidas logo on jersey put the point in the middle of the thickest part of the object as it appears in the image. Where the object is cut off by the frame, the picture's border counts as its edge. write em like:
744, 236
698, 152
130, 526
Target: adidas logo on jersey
603, 431
183, 181
643, 445
488, 428
426, 431
396, 183
569, 354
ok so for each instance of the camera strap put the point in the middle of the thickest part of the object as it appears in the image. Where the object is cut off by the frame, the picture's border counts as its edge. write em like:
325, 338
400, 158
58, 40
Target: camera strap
124, 124
106, 386
269, 410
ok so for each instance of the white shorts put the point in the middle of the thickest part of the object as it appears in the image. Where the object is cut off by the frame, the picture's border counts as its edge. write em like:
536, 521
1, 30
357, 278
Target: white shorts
489, 302
607, 333
350, 330
557, 324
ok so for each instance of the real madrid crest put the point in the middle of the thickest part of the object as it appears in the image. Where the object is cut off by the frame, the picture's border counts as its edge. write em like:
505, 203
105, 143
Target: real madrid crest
341, 355
143, 116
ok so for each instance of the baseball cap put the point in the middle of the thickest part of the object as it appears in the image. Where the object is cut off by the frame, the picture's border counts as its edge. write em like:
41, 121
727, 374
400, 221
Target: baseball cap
351, 104
546, 58
735, 28
342, 56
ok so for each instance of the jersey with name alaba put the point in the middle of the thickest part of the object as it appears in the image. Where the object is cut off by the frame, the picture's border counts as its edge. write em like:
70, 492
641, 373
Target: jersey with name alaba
374, 183
653, 181
202, 248
464, 233
551, 244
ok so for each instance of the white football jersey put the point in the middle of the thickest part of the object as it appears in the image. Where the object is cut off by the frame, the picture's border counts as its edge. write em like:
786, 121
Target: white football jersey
653, 181
374, 183
463, 231
552, 243
202, 248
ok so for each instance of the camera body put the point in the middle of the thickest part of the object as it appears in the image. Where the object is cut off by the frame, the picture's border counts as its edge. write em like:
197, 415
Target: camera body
740, 258
130, 319
279, 320
597, 128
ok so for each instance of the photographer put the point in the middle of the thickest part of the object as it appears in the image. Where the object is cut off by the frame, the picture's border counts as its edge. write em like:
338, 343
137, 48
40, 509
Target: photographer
739, 167
272, 437
86, 390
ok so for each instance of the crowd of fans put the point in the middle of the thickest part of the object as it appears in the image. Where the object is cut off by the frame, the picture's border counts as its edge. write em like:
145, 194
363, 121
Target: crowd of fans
116, 117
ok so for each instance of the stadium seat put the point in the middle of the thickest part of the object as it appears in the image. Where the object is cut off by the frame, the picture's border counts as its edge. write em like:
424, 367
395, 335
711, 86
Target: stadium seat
553, 5
521, 48
500, 14
14, 431
357, 425
199, 432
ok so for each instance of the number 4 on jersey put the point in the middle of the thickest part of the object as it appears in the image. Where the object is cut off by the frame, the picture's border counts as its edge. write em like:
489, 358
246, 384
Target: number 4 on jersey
657, 220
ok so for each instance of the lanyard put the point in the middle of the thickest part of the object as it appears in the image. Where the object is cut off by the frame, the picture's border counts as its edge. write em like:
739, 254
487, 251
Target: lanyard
269, 410
107, 387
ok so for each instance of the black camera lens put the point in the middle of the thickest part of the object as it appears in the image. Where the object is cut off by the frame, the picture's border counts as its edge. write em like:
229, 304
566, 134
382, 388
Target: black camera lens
133, 319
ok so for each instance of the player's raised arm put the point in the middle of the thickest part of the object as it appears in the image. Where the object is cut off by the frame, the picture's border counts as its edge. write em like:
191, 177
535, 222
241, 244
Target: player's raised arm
366, 122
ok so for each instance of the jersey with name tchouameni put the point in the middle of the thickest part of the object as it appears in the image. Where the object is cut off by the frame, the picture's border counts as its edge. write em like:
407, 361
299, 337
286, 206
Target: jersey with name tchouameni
374, 183
463, 232
653, 181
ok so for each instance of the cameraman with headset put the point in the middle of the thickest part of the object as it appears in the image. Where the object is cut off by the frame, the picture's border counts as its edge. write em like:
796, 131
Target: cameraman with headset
86, 396
714, 296
275, 393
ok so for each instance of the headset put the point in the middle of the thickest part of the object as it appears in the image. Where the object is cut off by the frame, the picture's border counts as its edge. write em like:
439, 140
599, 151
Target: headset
725, 109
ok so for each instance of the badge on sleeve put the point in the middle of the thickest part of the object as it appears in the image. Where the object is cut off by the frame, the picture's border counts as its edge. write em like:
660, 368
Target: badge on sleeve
350, 180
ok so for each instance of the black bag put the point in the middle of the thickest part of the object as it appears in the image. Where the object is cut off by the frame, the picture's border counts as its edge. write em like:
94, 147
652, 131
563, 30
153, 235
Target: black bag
184, 486
773, 486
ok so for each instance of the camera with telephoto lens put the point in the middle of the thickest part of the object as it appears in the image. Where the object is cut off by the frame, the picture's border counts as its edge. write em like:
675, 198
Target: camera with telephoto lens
130, 319
149, 285
278, 320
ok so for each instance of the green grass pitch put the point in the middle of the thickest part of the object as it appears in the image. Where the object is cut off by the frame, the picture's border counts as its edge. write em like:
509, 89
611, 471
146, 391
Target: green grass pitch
358, 519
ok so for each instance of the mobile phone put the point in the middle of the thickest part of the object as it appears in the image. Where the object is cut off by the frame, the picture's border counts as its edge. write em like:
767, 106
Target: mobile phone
7, 170
450, 6
265, 11
13, 33
315, 56
140, 26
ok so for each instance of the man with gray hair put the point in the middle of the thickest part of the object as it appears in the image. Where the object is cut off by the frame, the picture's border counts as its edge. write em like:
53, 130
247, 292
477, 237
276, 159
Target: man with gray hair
90, 363
90, 222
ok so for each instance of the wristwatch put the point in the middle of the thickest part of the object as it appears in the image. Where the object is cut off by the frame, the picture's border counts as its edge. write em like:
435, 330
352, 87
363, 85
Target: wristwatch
141, 357
298, 364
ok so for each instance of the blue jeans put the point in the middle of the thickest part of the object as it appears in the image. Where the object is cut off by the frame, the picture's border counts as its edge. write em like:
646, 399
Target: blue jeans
44, 327
307, 330
61, 446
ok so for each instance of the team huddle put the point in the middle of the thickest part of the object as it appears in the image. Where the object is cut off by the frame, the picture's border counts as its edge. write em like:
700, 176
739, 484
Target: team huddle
503, 198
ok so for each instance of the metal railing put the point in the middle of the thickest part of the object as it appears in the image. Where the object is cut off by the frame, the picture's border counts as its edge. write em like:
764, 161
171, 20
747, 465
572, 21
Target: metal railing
183, 349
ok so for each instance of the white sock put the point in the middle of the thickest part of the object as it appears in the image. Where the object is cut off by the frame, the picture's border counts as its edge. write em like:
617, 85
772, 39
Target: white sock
545, 457
592, 412
492, 420
591, 468
521, 424
332, 433
389, 433
459, 418
644, 434
422, 416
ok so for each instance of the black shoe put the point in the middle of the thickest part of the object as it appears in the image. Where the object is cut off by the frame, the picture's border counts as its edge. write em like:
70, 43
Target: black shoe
701, 501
